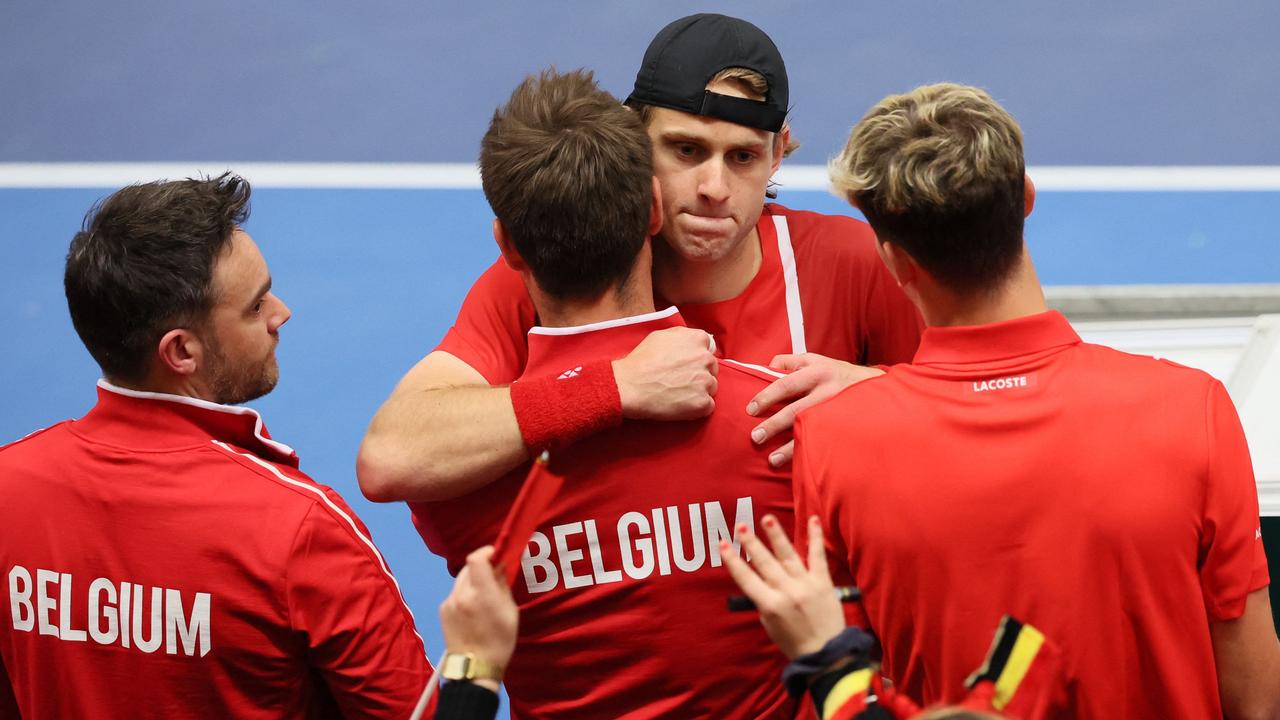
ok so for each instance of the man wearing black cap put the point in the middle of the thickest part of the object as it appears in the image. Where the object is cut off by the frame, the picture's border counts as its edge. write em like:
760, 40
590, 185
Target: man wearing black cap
763, 280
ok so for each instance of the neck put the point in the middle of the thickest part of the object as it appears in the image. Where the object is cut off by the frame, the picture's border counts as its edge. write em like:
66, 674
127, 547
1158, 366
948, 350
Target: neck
1019, 296
634, 296
183, 386
683, 281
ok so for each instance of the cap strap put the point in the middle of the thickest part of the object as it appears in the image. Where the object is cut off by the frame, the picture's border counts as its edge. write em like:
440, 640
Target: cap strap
752, 113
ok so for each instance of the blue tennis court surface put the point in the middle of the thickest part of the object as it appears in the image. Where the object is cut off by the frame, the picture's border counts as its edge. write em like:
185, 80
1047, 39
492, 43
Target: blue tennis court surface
374, 277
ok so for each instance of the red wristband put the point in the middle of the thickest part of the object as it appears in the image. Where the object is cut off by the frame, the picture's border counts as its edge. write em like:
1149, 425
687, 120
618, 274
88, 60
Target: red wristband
554, 413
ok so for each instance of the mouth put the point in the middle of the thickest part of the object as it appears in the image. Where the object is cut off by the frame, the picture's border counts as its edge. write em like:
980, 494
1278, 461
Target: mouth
706, 223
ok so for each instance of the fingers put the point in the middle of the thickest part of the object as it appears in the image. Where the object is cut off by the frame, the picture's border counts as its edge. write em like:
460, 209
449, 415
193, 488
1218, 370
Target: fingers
484, 574
762, 559
790, 363
817, 549
774, 392
783, 420
783, 550
783, 455
746, 578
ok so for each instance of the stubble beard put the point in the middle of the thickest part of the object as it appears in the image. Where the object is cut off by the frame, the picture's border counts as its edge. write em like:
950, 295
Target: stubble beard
232, 384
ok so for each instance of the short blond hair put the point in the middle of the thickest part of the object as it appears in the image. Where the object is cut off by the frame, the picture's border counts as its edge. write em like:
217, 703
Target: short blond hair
939, 171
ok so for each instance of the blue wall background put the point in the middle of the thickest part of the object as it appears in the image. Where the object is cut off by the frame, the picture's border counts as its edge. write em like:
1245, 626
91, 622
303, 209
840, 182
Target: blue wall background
1092, 81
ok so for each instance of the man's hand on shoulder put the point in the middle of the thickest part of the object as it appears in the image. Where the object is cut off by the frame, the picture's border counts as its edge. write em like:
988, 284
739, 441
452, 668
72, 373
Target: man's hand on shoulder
810, 379
671, 375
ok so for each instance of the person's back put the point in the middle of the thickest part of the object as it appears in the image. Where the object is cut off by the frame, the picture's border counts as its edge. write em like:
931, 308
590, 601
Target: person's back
165, 559
1083, 489
622, 597
1104, 498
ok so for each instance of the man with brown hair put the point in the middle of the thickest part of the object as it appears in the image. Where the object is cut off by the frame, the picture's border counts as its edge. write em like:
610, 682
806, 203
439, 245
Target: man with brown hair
163, 556
1105, 498
622, 599
771, 285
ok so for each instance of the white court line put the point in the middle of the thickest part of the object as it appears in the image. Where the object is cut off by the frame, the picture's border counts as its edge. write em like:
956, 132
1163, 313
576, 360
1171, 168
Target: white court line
1060, 178
1102, 178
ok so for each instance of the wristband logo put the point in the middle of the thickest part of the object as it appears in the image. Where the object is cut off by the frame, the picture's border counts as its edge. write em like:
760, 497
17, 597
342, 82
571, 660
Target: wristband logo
644, 542
570, 373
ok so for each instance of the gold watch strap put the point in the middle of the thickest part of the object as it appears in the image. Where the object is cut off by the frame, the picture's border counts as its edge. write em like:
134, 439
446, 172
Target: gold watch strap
466, 666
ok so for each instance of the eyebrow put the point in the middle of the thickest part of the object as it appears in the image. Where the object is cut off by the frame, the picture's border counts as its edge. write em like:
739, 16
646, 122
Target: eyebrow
679, 136
266, 288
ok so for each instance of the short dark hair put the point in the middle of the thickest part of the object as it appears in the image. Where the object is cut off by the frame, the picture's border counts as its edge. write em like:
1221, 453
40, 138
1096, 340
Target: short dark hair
568, 171
143, 264
939, 171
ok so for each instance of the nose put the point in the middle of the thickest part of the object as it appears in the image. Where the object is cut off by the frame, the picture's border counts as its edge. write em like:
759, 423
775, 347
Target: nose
713, 181
281, 315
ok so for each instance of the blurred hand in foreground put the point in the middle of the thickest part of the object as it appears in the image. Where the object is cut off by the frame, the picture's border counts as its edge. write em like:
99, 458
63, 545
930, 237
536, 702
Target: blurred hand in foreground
797, 604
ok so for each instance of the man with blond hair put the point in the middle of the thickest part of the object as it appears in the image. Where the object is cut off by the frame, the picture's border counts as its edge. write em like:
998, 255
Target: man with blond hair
770, 285
1105, 498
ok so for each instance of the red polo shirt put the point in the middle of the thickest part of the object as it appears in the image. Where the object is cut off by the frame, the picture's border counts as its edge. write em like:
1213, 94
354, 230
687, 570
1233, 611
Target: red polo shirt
621, 591
164, 557
821, 287
1106, 498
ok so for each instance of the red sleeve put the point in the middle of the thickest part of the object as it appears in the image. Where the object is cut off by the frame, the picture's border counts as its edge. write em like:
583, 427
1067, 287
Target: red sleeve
890, 320
490, 333
347, 609
810, 498
1233, 562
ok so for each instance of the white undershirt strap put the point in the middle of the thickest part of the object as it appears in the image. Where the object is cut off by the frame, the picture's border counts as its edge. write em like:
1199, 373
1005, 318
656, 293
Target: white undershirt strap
795, 316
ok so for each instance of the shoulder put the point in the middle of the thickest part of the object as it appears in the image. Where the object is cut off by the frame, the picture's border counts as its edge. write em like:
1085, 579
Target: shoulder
499, 277
278, 483
289, 491
828, 240
34, 441
1139, 373
867, 408
812, 228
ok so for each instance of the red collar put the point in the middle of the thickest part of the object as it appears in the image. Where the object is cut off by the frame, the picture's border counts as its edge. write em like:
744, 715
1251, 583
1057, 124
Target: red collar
995, 341
159, 421
551, 348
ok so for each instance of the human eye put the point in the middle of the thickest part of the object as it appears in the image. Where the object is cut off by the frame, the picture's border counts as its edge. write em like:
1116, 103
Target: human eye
743, 157
684, 149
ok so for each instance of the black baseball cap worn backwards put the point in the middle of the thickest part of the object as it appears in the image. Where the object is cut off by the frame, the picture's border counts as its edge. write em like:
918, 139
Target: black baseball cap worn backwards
686, 54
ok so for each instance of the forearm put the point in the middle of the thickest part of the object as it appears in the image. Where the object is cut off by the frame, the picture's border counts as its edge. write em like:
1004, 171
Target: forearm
1247, 654
439, 443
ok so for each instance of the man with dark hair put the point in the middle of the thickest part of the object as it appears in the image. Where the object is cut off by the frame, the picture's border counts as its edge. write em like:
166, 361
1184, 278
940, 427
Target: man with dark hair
1105, 498
771, 285
622, 602
163, 556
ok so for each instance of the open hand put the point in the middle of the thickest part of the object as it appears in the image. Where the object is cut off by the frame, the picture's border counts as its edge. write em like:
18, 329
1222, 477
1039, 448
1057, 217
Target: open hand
811, 379
797, 605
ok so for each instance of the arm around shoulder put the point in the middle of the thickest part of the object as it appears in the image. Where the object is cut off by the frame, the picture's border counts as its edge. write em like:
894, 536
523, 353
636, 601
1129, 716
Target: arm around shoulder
443, 432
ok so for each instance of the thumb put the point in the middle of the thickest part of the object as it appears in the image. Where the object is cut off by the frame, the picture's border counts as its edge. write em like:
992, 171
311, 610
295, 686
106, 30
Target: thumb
480, 563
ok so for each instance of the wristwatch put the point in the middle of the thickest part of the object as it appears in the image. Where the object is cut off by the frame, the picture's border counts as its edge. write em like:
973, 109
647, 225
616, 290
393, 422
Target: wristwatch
466, 666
